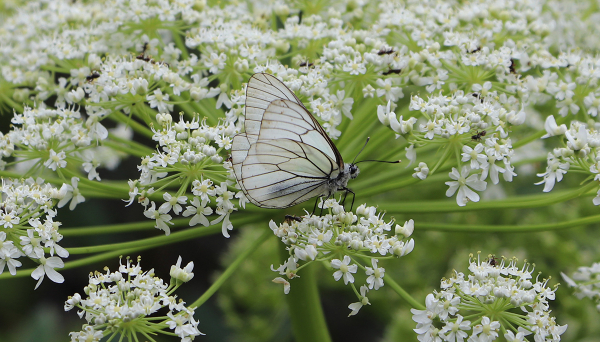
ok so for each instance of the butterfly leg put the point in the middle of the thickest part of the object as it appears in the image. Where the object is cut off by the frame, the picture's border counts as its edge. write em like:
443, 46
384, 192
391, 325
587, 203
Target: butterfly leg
315, 208
353, 197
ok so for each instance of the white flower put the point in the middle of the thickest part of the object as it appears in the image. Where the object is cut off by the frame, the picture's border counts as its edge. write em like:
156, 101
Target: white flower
344, 269
455, 331
464, 185
375, 275
182, 274
70, 192
368, 91
421, 171
592, 103
162, 220
286, 284
172, 202
199, 210
364, 300
486, 330
215, 62
552, 128
411, 154
554, 172
383, 113
407, 229
56, 160
46, 267
474, 155
386, 88
578, 140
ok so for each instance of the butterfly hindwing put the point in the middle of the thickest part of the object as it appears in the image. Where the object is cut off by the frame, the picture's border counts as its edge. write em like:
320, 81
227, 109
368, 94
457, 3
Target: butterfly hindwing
279, 173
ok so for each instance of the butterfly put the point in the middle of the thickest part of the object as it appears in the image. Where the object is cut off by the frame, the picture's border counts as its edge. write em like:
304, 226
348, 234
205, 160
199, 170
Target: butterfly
284, 157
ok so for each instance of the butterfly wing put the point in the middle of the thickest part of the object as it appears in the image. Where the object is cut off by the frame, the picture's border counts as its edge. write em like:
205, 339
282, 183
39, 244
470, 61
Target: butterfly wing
279, 173
263, 89
291, 161
284, 157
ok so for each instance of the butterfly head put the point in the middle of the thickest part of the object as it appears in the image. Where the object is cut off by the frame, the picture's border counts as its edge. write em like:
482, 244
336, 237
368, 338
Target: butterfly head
353, 170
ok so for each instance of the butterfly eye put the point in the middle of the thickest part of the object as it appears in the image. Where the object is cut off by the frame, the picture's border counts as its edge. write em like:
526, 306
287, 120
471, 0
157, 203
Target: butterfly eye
353, 171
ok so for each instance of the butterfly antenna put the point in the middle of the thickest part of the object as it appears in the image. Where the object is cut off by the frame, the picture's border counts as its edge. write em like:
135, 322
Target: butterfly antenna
365, 145
380, 161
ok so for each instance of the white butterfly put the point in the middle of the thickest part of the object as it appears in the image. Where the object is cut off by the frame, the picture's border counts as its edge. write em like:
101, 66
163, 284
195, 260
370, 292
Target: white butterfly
284, 157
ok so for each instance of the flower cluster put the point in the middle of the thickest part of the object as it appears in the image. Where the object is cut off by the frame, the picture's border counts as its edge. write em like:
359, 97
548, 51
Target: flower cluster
499, 298
122, 302
580, 152
28, 227
345, 239
189, 154
586, 283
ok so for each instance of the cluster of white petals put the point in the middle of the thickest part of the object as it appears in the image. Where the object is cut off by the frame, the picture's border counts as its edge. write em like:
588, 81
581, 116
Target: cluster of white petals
499, 298
188, 147
586, 282
343, 239
28, 227
123, 302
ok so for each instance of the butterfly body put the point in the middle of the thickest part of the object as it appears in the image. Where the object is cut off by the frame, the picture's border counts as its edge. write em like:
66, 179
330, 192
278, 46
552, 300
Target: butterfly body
284, 157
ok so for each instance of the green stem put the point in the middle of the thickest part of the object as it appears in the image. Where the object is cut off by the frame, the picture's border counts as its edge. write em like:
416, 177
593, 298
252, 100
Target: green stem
150, 242
448, 227
115, 228
304, 306
232, 268
163, 239
142, 129
134, 148
402, 293
517, 202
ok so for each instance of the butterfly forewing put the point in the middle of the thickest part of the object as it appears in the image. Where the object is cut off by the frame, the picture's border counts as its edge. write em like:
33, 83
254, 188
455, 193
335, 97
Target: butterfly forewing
289, 120
263, 89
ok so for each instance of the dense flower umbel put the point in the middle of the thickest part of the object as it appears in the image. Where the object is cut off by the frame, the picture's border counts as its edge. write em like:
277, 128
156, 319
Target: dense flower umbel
580, 152
497, 298
347, 240
123, 302
586, 283
28, 227
190, 154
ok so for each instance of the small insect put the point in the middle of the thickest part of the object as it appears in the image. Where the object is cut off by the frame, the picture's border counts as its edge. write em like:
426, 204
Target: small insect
92, 77
392, 71
477, 96
306, 64
290, 218
492, 260
478, 135
385, 51
477, 49
142, 56
284, 157
512, 66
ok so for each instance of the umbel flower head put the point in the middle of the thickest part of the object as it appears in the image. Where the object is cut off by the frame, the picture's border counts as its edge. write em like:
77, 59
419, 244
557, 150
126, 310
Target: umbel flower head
496, 299
586, 282
344, 239
122, 302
